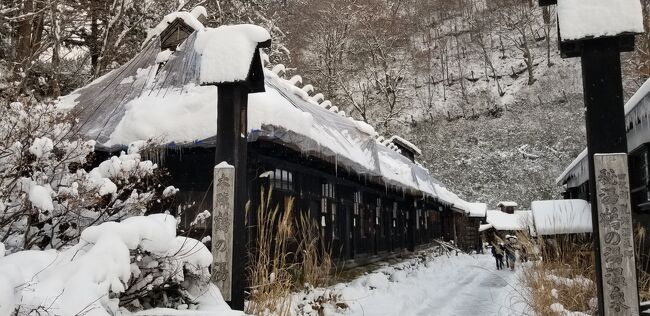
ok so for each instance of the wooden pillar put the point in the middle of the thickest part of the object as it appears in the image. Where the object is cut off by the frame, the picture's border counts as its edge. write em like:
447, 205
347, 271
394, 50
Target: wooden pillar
231, 147
603, 97
411, 228
348, 212
453, 222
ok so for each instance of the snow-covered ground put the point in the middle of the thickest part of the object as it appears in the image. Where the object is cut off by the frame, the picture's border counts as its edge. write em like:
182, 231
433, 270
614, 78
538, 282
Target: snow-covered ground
443, 285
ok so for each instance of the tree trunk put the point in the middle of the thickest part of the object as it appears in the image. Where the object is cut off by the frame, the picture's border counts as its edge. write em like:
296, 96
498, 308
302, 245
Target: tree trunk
56, 89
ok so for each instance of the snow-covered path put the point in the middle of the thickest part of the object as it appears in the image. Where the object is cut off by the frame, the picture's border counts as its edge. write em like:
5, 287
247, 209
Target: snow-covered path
455, 285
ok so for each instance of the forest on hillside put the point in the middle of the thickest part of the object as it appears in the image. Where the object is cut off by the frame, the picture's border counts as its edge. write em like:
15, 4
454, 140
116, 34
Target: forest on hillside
477, 84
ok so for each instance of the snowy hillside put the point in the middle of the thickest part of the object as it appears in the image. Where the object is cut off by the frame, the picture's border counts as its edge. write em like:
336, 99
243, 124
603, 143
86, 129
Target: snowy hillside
482, 91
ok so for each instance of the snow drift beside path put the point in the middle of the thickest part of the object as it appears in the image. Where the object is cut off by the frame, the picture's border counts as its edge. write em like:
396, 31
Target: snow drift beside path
88, 277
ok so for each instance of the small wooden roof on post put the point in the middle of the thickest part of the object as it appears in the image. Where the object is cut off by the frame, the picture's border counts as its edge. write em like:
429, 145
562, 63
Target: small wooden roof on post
571, 46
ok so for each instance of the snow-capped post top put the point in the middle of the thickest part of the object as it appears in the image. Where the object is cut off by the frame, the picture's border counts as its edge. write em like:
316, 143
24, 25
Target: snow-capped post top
224, 165
585, 19
230, 53
582, 19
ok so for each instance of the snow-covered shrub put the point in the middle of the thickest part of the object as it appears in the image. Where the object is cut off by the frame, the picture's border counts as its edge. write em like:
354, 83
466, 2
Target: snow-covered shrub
132, 265
49, 191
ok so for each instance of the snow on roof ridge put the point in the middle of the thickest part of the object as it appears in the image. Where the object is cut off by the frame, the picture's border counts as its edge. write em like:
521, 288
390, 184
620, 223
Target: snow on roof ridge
326, 104
199, 11
440, 192
636, 98
407, 144
277, 69
188, 17
582, 155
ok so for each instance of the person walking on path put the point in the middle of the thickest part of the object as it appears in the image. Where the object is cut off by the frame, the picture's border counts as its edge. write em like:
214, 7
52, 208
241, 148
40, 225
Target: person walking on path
511, 251
504, 253
498, 256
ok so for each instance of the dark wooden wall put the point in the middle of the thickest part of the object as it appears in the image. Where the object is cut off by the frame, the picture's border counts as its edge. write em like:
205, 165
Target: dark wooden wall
358, 216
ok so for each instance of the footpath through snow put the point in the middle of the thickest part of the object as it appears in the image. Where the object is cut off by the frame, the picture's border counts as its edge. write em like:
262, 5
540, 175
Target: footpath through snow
443, 285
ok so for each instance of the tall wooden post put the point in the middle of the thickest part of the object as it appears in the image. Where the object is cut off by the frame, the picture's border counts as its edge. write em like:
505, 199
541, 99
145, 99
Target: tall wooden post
607, 154
605, 119
231, 149
231, 153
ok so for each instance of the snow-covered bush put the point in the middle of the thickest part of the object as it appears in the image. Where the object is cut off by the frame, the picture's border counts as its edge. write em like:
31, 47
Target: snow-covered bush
115, 269
48, 190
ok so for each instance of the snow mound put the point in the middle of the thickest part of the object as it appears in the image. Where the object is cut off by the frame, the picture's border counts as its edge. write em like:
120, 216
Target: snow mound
41, 146
88, 277
376, 281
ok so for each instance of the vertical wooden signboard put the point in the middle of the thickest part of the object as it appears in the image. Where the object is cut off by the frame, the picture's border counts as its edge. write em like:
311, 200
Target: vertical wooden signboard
223, 204
616, 236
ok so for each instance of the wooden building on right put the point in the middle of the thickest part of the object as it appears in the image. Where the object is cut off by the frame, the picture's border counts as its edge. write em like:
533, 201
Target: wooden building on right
575, 178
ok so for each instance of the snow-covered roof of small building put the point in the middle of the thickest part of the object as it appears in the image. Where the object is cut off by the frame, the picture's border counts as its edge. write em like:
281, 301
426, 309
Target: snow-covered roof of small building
554, 217
162, 98
507, 204
581, 19
476, 209
637, 114
518, 221
484, 227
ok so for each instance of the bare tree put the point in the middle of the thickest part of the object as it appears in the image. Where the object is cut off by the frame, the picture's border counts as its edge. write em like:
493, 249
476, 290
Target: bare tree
518, 16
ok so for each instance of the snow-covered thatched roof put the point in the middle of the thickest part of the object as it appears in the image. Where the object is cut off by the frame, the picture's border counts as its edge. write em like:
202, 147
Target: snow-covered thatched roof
555, 217
159, 95
476, 209
637, 113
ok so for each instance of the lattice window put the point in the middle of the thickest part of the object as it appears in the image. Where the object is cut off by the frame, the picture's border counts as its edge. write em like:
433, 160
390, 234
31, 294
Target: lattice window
282, 180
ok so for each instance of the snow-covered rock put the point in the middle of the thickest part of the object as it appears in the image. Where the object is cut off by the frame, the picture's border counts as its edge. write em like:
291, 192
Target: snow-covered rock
90, 276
